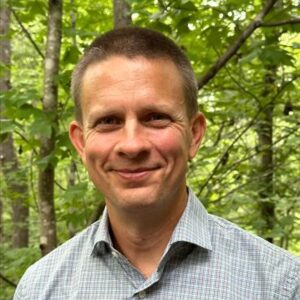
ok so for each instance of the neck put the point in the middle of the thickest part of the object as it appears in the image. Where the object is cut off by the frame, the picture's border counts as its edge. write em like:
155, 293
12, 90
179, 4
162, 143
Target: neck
142, 235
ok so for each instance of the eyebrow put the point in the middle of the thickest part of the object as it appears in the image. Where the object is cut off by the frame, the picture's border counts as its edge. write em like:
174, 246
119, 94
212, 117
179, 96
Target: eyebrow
157, 107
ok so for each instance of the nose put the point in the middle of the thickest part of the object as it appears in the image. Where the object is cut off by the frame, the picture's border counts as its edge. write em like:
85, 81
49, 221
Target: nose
133, 142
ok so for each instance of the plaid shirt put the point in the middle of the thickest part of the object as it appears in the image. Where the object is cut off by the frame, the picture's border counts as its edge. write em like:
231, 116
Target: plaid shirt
206, 258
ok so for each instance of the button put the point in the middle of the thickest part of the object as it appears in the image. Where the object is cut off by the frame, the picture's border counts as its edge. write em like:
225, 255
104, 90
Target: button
142, 294
115, 254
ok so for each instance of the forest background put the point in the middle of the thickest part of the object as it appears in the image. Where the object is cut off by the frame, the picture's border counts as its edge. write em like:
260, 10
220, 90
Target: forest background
246, 55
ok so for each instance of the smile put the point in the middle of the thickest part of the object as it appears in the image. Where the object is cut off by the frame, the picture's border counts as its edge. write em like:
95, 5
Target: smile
135, 174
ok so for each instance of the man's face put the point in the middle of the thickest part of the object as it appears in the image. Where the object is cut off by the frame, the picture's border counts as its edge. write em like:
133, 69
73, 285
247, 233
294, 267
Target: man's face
135, 138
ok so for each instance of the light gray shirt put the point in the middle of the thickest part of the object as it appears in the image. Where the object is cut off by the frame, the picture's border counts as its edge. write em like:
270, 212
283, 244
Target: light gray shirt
207, 258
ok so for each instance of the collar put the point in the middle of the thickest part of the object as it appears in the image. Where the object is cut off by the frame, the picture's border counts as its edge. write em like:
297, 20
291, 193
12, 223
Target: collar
192, 227
102, 239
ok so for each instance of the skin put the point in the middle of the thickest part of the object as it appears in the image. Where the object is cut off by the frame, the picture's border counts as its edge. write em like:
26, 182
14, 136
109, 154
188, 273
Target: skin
135, 140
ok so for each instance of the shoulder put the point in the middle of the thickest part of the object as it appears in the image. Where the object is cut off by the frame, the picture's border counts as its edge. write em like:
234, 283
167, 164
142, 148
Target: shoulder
232, 235
81, 243
273, 265
60, 263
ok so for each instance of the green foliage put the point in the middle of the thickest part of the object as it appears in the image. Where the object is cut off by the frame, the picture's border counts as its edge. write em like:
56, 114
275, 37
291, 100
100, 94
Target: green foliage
13, 264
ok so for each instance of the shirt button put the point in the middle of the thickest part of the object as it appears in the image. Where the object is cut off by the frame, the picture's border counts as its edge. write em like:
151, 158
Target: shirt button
115, 254
142, 294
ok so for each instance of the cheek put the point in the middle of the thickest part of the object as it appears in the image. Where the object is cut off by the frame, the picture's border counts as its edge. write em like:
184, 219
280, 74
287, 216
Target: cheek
96, 150
172, 145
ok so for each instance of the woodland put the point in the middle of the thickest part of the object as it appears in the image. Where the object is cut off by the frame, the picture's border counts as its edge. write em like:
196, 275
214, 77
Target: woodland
246, 55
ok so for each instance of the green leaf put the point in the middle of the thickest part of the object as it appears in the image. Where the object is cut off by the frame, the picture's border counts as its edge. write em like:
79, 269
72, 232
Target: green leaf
296, 45
71, 55
250, 56
3, 137
276, 56
64, 79
188, 5
182, 25
42, 127
44, 162
6, 126
287, 220
157, 25
77, 191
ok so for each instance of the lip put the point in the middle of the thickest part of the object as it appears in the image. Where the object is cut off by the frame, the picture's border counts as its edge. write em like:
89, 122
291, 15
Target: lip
135, 174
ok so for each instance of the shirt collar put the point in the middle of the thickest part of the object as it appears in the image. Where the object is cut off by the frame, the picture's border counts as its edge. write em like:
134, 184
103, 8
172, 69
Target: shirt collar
192, 227
102, 237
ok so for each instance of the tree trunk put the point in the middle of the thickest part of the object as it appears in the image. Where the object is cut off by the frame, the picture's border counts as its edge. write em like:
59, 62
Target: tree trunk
1, 223
265, 142
15, 180
48, 240
122, 16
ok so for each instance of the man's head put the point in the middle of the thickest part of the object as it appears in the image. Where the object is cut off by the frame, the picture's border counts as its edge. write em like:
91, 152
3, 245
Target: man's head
131, 42
136, 131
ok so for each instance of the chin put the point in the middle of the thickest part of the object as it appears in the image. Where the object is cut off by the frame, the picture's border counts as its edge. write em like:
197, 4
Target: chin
137, 198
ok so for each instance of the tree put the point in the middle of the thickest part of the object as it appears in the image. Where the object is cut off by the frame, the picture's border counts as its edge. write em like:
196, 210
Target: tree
15, 179
122, 15
48, 239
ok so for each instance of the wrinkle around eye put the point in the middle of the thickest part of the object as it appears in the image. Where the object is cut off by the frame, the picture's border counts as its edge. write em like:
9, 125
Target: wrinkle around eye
106, 124
157, 119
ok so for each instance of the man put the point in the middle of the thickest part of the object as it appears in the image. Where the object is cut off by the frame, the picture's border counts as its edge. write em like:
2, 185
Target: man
136, 127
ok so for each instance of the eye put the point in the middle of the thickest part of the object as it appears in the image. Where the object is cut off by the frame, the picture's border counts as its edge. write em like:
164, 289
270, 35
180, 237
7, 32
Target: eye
108, 123
157, 119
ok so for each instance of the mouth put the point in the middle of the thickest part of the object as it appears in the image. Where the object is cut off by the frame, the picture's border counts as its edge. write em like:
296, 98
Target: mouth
135, 174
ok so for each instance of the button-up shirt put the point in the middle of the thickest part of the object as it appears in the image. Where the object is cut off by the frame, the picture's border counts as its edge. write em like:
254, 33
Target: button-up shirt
206, 258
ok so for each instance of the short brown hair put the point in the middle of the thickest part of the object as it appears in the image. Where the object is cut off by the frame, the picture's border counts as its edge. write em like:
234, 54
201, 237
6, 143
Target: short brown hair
131, 42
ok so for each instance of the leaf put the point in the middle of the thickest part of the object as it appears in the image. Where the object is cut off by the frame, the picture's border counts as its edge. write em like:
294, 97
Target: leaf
37, 8
64, 79
250, 56
184, 5
42, 127
45, 161
157, 25
182, 25
71, 55
287, 220
3, 137
276, 56
296, 45
63, 145
188, 5
6, 126
77, 191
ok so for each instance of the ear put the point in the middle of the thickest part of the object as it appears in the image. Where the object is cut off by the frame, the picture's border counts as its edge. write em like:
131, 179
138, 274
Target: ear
197, 127
77, 138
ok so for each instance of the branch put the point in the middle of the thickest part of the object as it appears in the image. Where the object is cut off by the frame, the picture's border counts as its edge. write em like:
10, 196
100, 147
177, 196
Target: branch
233, 166
25, 140
239, 187
59, 185
281, 23
219, 135
7, 281
26, 32
214, 171
163, 5
249, 125
222, 61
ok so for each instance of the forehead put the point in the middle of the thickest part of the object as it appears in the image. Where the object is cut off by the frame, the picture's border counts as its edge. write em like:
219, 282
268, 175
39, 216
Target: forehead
116, 65
136, 77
